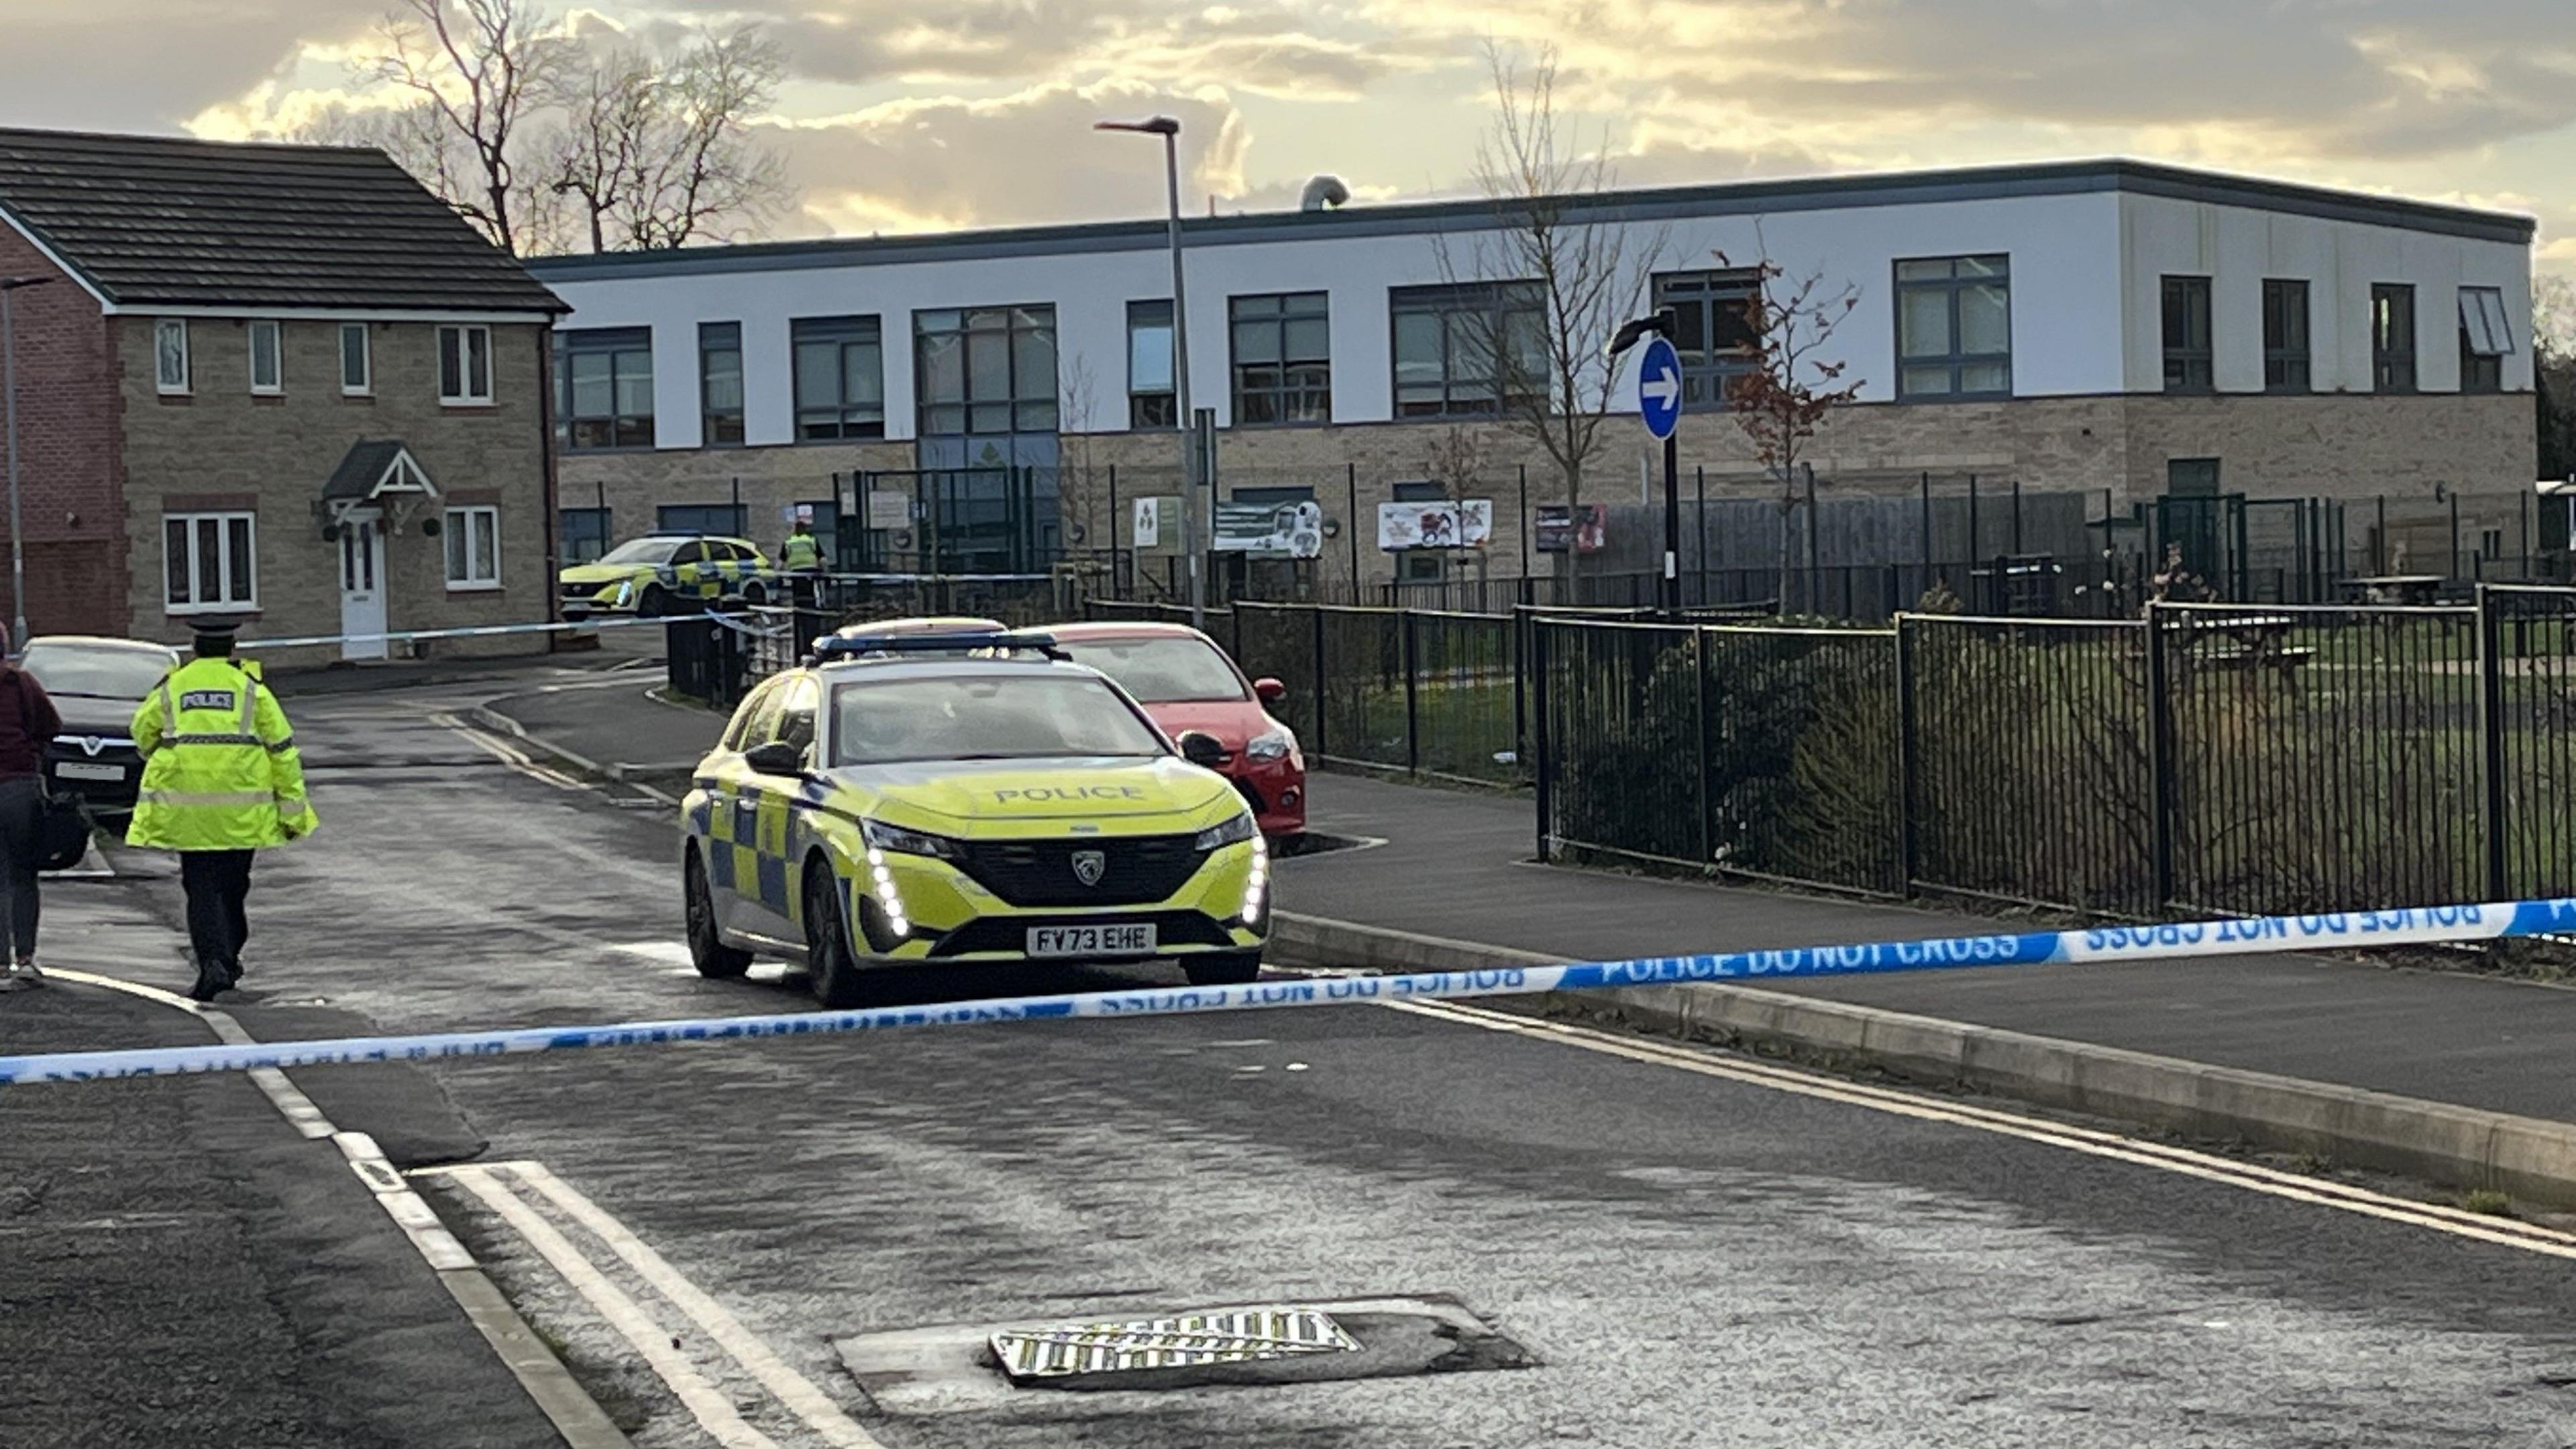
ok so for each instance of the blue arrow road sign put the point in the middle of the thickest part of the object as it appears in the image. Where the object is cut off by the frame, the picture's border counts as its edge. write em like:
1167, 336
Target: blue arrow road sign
1659, 387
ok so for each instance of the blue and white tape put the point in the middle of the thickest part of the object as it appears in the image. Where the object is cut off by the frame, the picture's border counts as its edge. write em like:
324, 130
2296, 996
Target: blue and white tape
476, 631
2366, 929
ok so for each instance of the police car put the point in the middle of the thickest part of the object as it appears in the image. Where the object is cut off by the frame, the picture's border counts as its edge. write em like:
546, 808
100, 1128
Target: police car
920, 801
649, 575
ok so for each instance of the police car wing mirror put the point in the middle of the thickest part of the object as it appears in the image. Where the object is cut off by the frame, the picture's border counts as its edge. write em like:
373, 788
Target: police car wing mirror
1201, 748
1270, 691
777, 757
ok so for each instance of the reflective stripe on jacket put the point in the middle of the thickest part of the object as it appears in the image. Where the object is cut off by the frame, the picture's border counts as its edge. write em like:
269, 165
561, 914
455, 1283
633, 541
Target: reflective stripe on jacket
220, 768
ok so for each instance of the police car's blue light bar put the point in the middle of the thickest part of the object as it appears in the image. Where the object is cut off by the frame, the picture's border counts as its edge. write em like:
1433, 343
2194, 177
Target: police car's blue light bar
957, 641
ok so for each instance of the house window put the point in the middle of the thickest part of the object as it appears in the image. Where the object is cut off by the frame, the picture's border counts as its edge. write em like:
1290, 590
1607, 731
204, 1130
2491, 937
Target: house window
210, 561
1954, 328
720, 382
583, 533
1713, 330
170, 355
717, 520
2187, 352
987, 371
2486, 335
1283, 359
1150, 400
357, 367
840, 378
1460, 351
2285, 336
473, 548
266, 366
465, 366
2392, 337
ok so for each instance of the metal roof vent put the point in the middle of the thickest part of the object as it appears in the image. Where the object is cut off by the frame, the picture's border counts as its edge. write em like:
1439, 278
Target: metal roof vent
1323, 192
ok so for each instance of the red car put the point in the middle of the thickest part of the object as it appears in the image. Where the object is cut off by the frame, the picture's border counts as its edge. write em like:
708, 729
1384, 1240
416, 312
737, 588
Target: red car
1187, 683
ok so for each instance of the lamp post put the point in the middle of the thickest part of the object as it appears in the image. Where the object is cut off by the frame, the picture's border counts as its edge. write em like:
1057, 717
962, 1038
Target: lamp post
1169, 128
1669, 589
9, 289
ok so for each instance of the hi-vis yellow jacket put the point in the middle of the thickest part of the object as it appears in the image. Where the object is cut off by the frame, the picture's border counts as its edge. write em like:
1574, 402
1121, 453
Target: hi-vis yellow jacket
220, 771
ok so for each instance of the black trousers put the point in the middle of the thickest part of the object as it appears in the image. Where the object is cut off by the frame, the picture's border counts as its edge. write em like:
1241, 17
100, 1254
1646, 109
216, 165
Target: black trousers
218, 883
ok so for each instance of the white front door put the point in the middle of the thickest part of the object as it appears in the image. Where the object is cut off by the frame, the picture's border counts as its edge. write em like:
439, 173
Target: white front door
362, 588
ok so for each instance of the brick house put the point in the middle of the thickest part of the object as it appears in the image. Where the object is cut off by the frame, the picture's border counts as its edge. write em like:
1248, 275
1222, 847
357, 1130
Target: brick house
280, 382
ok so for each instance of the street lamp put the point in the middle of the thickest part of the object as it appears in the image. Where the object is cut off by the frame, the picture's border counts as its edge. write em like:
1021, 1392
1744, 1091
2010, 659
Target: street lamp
1169, 128
1661, 324
9, 289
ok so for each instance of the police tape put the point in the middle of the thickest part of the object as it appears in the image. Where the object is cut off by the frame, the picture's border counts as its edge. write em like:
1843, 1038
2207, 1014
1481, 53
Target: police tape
475, 631
2431, 925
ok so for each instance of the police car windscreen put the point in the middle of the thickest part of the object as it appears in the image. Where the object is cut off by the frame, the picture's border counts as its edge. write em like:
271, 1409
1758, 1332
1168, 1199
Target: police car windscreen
642, 551
881, 723
1161, 671
95, 673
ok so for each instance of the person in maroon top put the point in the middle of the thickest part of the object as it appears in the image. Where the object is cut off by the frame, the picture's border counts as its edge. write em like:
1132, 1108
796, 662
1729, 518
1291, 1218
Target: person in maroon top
27, 724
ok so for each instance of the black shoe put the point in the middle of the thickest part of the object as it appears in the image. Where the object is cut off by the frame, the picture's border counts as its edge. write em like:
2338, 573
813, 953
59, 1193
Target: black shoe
210, 979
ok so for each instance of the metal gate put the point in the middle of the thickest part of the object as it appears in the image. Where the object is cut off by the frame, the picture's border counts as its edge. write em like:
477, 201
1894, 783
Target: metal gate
962, 521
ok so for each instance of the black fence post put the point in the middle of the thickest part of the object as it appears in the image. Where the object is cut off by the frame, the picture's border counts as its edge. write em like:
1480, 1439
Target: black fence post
1542, 768
2491, 738
1317, 612
2160, 786
1405, 620
1909, 761
1520, 687
1699, 712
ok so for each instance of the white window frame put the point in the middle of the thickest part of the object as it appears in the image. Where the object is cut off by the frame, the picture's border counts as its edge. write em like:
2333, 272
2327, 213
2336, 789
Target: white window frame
221, 601
365, 386
466, 397
457, 528
252, 331
162, 331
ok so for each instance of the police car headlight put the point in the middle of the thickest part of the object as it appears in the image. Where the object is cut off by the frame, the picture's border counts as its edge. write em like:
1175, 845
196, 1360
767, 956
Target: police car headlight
881, 836
1273, 745
1232, 832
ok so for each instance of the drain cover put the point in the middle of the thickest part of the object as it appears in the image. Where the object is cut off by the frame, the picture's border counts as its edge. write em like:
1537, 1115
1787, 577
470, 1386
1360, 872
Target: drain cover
1248, 1335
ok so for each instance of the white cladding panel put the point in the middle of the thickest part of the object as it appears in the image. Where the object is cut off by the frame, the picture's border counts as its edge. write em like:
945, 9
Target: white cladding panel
2239, 248
2085, 268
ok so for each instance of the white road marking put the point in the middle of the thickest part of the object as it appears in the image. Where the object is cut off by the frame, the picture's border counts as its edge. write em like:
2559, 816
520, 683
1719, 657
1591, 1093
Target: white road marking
509, 755
549, 1385
712, 1408
669, 953
2253, 1177
793, 1389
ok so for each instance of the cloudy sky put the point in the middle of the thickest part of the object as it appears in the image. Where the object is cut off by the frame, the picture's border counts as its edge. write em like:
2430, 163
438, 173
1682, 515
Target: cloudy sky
927, 114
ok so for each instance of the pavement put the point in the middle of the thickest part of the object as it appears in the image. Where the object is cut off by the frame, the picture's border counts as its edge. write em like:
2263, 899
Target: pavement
1696, 1248
179, 1266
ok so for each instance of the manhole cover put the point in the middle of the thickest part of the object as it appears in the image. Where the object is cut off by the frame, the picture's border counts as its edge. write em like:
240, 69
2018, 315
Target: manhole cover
1242, 1336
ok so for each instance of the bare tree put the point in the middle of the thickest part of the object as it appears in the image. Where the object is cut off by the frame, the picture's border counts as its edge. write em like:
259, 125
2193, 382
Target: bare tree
478, 70
2553, 365
658, 152
1793, 382
1551, 284
1079, 475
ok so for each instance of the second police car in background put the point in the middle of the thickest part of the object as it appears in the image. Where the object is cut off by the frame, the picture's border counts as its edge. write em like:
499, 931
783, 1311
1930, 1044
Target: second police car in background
942, 801
650, 575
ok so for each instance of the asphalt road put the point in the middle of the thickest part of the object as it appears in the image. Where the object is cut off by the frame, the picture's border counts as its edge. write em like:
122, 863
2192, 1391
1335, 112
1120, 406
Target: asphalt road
1695, 1260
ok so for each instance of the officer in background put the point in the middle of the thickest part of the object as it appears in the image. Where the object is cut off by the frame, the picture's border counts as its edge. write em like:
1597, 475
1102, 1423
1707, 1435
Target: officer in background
221, 780
802, 557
